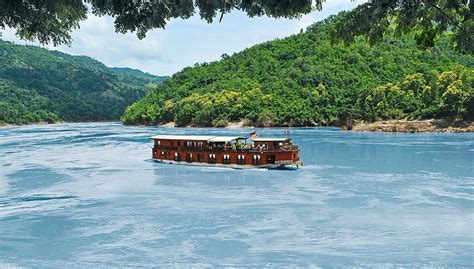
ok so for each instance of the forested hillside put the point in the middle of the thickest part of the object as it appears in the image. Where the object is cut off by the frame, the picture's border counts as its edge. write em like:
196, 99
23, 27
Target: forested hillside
305, 80
38, 85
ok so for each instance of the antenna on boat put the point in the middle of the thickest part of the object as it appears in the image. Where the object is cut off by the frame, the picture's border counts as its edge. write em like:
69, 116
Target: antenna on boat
287, 131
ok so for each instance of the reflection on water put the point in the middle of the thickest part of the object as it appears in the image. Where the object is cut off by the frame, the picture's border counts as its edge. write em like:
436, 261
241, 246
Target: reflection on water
89, 195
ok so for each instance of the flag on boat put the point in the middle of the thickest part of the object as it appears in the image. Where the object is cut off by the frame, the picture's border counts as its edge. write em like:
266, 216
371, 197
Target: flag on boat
251, 135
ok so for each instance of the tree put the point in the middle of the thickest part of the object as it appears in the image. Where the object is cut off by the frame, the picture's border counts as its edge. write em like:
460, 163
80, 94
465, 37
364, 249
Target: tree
52, 21
414, 84
225, 56
184, 116
264, 119
445, 79
428, 19
429, 95
45, 21
453, 99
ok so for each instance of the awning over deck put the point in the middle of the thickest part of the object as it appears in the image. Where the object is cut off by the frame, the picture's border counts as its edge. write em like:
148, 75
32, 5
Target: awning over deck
212, 139
183, 137
216, 139
270, 139
221, 139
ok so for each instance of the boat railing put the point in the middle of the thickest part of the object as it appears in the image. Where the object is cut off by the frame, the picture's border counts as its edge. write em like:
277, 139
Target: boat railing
227, 149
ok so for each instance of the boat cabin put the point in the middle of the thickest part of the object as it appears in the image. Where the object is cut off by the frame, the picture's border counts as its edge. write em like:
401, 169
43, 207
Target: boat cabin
230, 151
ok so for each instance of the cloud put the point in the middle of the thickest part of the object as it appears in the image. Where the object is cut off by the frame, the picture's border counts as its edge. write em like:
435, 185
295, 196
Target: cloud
183, 42
329, 8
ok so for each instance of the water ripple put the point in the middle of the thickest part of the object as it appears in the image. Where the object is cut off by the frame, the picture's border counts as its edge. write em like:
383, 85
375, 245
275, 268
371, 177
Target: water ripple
88, 195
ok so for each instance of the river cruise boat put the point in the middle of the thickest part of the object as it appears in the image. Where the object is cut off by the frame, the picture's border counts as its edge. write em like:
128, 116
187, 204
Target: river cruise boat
226, 151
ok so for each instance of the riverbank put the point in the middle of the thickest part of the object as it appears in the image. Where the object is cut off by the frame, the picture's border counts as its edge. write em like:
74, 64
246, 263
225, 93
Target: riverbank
43, 123
30, 124
415, 126
403, 126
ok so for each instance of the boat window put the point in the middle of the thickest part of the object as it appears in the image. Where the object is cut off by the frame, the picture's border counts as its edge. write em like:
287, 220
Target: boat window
189, 157
241, 159
212, 158
226, 159
256, 159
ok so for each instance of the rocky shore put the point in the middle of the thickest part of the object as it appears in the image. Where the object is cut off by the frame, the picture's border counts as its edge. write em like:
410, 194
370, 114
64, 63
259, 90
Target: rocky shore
415, 126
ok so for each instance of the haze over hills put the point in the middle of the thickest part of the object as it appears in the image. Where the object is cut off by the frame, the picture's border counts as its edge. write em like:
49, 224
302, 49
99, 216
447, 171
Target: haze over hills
39, 85
305, 80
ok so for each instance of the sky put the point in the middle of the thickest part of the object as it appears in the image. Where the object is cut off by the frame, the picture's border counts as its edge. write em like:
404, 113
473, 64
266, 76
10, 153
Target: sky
183, 42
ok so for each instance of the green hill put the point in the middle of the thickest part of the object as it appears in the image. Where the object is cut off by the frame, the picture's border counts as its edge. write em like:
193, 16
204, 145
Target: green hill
305, 80
38, 85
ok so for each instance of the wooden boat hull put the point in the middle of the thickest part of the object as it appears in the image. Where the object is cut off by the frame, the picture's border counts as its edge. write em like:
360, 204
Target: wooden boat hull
288, 166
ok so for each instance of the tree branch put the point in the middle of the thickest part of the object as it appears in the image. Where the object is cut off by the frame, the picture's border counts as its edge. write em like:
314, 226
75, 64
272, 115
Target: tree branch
223, 10
454, 22
222, 16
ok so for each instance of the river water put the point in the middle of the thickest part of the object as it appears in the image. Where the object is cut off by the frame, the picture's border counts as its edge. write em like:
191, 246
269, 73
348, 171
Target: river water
88, 195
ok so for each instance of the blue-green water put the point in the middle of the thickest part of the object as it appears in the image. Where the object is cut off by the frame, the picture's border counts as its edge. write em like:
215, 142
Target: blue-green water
88, 195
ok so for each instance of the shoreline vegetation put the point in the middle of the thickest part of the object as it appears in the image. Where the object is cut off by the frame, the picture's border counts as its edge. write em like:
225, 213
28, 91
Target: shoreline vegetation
399, 126
306, 80
395, 126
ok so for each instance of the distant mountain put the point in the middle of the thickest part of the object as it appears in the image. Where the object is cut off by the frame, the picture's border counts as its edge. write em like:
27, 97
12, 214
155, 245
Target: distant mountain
39, 85
130, 75
306, 80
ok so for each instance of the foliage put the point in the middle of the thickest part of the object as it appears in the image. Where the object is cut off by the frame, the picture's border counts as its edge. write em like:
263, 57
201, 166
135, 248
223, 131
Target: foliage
453, 99
52, 21
426, 19
37, 85
305, 80
416, 98
23, 106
